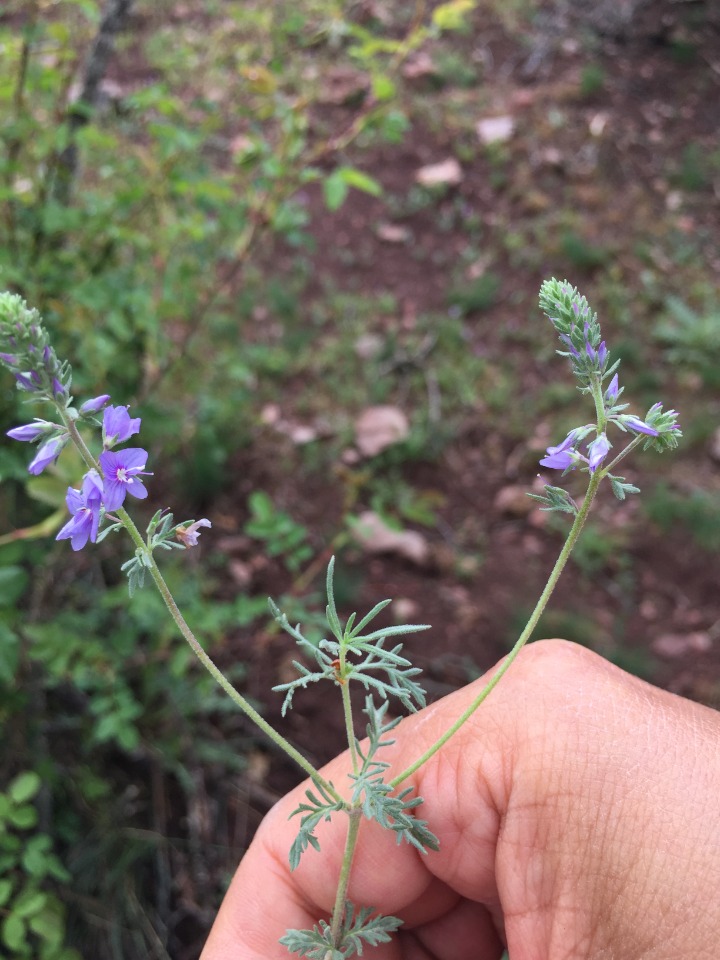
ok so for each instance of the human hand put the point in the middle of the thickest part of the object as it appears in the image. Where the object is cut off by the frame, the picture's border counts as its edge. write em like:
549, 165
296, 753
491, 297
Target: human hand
578, 814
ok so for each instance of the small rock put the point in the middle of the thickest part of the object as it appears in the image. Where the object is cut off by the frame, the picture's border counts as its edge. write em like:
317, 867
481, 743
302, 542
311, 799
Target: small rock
447, 173
598, 123
297, 433
379, 427
495, 129
270, 414
523, 97
514, 500
300, 433
649, 609
240, 572
552, 157
404, 610
678, 644
369, 345
350, 457
393, 233
375, 536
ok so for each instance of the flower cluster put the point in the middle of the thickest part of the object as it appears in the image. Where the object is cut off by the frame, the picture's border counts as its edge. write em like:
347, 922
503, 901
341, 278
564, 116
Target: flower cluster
106, 491
84, 505
578, 329
53, 437
102, 490
26, 352
580, 335
116, 474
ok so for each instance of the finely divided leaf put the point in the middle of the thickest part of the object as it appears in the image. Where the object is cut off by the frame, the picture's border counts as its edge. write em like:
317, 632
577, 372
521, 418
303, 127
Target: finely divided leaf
314, 811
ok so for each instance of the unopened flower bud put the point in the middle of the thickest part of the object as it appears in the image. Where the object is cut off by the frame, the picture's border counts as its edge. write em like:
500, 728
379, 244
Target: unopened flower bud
94, 405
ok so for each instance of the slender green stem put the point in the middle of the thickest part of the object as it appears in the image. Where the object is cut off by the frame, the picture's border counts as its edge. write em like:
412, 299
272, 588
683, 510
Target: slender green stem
349, 729
623, 453
77, 439
187, 633
215, 671
355, 816
347, 707
522, 639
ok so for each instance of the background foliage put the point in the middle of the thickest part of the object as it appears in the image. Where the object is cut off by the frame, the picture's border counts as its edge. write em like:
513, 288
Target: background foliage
225, 224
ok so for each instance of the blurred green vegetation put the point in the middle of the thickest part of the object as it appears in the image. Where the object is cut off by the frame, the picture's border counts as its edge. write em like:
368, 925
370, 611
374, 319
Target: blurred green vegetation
164, 227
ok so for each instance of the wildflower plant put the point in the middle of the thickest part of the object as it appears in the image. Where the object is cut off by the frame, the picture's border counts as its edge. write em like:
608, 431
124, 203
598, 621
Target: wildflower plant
355, 652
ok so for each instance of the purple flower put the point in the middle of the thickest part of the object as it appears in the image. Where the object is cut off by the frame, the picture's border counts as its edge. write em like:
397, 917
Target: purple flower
611, 394
189, 535
118, 426
47, 453
28, 381
597, 451
569, 344
32, 431
120, 472
84, 505
94, 405
563, 456
639, 426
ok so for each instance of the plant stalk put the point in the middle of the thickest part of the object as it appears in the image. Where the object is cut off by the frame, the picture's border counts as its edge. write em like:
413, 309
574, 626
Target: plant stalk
347, 713
188, 634
562, 559
355, 816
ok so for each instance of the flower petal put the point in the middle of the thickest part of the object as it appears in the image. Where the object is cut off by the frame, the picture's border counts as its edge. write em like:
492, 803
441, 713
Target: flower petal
113, 493
136, 488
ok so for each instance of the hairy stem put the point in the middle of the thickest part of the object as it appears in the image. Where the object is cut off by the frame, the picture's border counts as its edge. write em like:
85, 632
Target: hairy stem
623, 453
188, 634
214, 670
77, 439
524, 636
347, 713
355, 816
